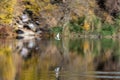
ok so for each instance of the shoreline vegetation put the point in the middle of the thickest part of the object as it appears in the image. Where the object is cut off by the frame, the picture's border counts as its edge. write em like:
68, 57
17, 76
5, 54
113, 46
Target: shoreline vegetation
71, 18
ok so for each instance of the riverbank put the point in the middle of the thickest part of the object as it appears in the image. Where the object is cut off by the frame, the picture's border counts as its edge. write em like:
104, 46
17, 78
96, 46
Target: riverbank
9, 33
6, 32
83, 18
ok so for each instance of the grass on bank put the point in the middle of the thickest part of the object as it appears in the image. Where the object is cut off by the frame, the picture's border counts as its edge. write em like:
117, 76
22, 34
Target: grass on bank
97, 26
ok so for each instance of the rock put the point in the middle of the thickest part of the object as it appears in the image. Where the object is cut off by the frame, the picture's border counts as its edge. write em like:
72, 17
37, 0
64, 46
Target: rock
29, 25
38, 31
19, 31
19, 22
32, 26
25, 18
37, 22
25, 37
25, 32
26, 26
20, 26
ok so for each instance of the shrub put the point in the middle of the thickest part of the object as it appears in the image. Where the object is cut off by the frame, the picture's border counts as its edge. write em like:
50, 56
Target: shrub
76, 26
108, 29
56, 30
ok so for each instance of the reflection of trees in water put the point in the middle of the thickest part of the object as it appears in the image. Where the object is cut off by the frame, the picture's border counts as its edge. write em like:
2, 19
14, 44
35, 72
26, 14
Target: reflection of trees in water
101, 53
7, 67
109, 59
50, 56
74, 57
41, 62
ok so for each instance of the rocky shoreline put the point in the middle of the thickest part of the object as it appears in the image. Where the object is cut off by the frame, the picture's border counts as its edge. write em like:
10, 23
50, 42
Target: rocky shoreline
25, 24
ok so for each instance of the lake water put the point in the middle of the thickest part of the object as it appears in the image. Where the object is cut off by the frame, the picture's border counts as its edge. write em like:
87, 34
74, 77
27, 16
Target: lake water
66, 59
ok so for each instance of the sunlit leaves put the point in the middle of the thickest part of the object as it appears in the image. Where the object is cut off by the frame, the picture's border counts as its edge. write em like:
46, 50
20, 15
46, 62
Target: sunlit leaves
7, 10
33, 6
86, 26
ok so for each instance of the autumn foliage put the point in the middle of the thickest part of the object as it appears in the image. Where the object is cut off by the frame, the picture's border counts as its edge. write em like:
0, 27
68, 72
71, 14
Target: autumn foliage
60, 12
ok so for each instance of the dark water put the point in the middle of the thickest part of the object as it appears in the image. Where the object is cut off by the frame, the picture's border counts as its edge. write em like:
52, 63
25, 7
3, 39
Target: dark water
66, 59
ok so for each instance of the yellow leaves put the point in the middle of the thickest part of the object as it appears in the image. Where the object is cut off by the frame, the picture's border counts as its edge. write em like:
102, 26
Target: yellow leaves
33, 7
49, 7
39, 5
88, 23
7, 10
45, 5
4, 18
86, 26
7, 66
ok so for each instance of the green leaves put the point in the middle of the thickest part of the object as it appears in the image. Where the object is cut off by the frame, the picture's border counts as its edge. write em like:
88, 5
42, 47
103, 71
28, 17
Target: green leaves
76, 26
56, 30
108, 29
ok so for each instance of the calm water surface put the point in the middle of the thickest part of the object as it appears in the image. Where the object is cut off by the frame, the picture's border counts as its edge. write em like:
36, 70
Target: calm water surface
66, 59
